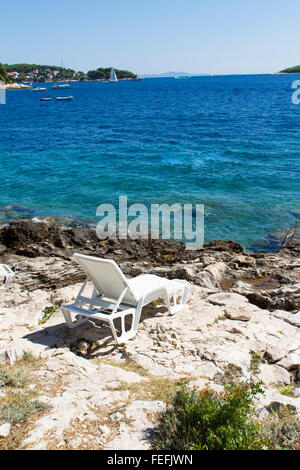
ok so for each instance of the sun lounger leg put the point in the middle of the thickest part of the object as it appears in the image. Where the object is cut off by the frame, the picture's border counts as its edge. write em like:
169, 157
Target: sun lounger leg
68, 318
123, 335
177, 304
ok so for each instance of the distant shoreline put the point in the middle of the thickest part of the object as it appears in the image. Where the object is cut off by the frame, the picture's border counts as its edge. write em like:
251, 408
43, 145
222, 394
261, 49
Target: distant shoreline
20, 86
15, 86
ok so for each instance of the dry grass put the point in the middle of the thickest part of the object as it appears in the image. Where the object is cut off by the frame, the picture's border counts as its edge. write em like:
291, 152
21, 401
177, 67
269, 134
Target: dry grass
20, 405
85, 435
129, 366
282, 430
155, 388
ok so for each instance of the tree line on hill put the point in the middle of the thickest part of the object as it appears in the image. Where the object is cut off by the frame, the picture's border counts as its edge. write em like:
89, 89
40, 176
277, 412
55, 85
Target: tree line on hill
3, 74
104, 74
295, 69
42, 73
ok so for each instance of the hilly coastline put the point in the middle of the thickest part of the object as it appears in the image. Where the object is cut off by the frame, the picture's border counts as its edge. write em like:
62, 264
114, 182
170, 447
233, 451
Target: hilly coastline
49, 73
295, 69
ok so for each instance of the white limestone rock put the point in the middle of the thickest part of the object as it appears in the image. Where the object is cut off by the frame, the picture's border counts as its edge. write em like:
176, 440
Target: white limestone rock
273, 375
229, 299
5, 429
237, 313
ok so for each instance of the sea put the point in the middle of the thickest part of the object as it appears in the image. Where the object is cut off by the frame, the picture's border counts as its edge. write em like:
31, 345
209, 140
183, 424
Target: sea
231, 143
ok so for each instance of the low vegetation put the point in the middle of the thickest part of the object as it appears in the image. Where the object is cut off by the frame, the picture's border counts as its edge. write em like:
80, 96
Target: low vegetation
155, 388
19, 408
282, 430
287, 390
13, 378
47, 313
207, 420
130, 366
255, 362
19, 401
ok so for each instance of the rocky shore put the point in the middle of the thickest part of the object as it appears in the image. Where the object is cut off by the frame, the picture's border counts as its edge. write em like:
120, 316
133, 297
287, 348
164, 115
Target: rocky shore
15, 86
242, 320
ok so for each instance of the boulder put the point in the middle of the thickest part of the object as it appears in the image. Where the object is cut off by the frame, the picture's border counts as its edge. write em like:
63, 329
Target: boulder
216, 271
19, 234
221, 245
228, 299
273, 375
237, 313
292, 319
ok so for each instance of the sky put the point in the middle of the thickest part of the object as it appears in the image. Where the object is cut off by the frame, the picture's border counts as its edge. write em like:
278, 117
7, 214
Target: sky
153, 36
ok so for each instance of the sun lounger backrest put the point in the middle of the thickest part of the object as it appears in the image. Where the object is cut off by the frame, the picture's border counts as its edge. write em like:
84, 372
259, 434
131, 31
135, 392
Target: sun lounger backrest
106, 276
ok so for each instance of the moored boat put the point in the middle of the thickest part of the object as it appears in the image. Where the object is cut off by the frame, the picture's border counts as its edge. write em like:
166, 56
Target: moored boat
182, 77
61, 85
38, 89
64, 98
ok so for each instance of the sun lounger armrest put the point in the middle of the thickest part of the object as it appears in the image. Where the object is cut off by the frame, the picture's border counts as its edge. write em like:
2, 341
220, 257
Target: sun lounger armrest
153, 294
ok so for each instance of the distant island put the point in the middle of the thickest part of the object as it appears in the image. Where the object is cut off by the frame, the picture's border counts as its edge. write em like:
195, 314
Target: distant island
19, 73
104, 74
172, 74
295, 69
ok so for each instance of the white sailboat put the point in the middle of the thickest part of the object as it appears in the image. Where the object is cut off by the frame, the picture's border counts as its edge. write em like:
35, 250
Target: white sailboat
64, 84
113, 76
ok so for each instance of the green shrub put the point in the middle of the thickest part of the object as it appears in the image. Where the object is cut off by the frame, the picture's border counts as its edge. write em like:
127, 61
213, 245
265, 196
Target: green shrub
255, 362
48, 312
286, 390
209, 421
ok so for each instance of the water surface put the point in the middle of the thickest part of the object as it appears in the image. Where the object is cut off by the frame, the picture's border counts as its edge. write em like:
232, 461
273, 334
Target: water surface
231, 143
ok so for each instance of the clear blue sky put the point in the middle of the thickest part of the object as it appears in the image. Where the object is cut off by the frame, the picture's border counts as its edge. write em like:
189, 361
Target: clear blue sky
153, 36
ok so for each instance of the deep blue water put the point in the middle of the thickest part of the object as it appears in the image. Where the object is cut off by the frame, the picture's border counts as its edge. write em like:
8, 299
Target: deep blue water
231, 143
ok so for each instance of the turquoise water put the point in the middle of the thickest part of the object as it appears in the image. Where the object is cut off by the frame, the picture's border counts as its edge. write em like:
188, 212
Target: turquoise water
231, 143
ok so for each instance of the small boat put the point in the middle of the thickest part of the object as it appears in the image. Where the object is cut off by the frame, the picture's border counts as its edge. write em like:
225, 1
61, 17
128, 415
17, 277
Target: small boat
113, 76
45, 99
61, 85
64, 98
38, 89
181, 77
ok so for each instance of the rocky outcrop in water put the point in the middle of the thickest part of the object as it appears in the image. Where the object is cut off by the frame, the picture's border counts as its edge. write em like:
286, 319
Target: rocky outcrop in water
42, 256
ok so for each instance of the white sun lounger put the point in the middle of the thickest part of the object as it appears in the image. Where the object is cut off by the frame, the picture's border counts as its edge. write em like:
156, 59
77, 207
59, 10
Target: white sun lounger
116, 298
7, 274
